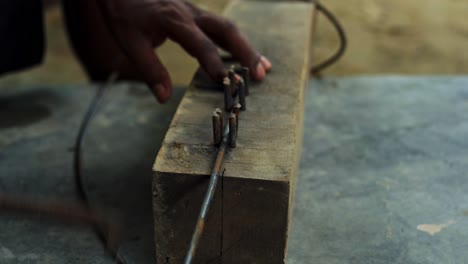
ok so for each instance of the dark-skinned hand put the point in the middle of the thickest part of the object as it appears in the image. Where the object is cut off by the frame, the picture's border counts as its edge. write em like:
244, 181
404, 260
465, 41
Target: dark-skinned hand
120, 35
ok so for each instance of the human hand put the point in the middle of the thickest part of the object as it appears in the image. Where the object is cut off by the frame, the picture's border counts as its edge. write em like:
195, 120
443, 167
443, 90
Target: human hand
120, 35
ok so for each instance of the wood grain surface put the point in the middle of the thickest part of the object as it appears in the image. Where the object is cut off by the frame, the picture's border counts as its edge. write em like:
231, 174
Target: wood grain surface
248, 222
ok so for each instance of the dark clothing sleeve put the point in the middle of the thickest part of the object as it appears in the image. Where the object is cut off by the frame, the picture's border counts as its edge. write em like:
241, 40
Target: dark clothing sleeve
21, 34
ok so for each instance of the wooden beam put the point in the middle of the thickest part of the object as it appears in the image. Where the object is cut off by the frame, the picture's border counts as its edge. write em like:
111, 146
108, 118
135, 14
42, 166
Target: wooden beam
249, 219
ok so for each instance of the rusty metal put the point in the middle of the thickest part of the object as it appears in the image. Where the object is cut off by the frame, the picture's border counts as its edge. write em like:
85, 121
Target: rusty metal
217, 128
208, 197
232, 130
232, 92
244, 84
236, 111
229, 139
228, 99
234, 79
220, 113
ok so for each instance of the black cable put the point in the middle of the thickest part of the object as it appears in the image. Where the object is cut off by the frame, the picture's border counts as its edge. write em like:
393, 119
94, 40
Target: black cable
103, 232
341, 34
80, 191
71, 213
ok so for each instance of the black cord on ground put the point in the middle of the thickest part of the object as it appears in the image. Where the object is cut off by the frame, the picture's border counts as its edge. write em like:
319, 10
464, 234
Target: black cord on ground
80, 191
83, 214
341, 34
103, 233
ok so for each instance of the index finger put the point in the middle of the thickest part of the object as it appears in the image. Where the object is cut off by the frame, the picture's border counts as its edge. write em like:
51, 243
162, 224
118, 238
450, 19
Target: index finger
139, 50
181, 28
227, 35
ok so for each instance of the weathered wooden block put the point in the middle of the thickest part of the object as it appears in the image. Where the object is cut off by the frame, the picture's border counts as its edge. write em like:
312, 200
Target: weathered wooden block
249, 219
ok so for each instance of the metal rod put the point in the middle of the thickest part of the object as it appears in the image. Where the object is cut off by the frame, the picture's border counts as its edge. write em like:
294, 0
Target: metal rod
217, 129
208, 198
228, 100
232, 130
227, 138
221, 125
236, 111
235, 79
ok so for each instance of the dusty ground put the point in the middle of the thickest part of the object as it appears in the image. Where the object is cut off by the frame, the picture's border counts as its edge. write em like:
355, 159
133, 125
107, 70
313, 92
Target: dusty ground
399, 36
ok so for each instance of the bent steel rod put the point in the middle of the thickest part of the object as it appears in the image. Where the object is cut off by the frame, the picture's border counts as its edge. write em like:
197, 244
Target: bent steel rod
208, 197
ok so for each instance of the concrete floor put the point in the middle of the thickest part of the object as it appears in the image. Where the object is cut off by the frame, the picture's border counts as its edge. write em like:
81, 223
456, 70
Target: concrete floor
382, 177
383, 172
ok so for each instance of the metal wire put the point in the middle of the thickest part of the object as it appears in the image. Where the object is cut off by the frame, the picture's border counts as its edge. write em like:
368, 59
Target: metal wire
69, 212
341, 34
80, 190
102, 234
232, 103
208, 197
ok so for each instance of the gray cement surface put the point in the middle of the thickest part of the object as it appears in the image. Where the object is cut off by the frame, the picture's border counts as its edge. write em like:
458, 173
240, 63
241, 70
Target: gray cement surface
382, 176
381, 157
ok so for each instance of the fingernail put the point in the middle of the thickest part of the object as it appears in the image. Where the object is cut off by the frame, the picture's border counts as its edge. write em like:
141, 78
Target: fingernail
237, 78
162, 93
266, 63
260, 71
